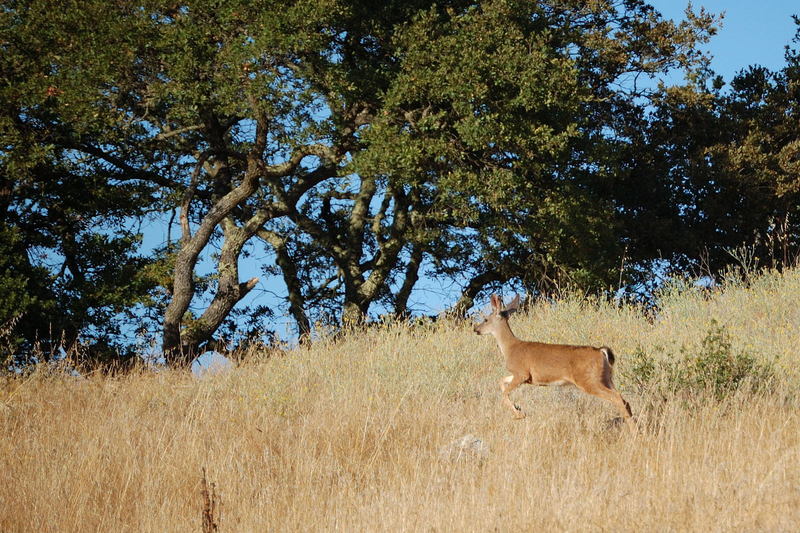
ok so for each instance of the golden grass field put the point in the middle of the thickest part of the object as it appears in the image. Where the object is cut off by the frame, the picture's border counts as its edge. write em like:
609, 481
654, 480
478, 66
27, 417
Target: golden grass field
347, 435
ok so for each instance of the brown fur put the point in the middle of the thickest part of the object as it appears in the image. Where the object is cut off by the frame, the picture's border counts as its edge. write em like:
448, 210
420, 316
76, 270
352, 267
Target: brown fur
588, 368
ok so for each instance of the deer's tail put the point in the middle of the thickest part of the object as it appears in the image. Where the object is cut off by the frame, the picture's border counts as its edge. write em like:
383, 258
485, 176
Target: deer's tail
609, 355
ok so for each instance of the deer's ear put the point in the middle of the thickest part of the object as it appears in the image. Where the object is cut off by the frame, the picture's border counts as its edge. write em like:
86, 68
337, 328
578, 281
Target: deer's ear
497, 304
514, 305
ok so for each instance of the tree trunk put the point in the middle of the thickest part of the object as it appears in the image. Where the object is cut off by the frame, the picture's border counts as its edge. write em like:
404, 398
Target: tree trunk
185, 262
354, 308
229, 290
297, 304
410, 280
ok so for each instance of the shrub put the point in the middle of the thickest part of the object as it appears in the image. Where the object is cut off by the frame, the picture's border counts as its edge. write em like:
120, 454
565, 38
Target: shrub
715, 368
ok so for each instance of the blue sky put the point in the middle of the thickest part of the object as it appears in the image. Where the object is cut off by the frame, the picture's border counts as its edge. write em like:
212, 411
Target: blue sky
751, 33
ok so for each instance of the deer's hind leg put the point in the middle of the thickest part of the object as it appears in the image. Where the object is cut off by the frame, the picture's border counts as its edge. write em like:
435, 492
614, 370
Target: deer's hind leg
507, 384
613, 396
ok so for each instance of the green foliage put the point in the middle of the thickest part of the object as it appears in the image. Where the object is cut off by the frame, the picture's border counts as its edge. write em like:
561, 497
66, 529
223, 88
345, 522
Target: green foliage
513, 116
15, 295
713, 368
718, 165
498, 141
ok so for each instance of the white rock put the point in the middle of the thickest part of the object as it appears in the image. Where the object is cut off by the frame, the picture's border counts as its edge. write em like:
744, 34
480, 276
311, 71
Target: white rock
468, 446
210, 363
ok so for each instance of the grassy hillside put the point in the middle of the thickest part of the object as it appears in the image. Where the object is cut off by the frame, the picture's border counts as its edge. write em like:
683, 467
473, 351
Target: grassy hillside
354, 435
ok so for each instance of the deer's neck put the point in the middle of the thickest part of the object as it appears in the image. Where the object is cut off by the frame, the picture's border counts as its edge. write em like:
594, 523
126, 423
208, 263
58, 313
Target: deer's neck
505, 338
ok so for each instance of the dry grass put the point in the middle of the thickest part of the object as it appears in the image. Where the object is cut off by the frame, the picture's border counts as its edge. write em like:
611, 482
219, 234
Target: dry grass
347, 436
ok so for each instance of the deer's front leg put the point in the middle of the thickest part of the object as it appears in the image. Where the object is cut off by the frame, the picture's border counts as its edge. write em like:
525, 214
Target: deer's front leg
507, 384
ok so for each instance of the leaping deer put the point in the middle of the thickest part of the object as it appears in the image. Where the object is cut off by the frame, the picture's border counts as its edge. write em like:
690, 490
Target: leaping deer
538, 363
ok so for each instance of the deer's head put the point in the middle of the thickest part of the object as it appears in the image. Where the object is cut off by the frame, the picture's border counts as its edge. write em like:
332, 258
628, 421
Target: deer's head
498, 316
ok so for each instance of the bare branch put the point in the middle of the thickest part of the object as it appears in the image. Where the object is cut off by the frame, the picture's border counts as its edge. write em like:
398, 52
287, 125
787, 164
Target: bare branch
133, 172
262, 129
381, 215
297, 304
171, 133
474, 286
186, 232
326, 153
410, 280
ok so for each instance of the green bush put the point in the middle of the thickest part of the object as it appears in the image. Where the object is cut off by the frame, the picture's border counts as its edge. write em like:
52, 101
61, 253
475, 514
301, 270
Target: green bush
715, 368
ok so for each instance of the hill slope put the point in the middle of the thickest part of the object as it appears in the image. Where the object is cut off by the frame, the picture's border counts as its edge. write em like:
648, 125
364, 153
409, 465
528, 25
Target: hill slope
350, 435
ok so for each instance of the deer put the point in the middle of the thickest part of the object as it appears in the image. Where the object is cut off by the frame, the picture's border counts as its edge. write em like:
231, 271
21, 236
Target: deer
537, 363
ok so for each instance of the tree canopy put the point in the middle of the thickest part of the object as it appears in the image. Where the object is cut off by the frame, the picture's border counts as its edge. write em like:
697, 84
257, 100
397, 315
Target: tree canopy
364, 146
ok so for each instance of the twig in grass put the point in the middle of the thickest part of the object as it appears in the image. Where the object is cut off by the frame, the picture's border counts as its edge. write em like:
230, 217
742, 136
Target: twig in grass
210, 506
